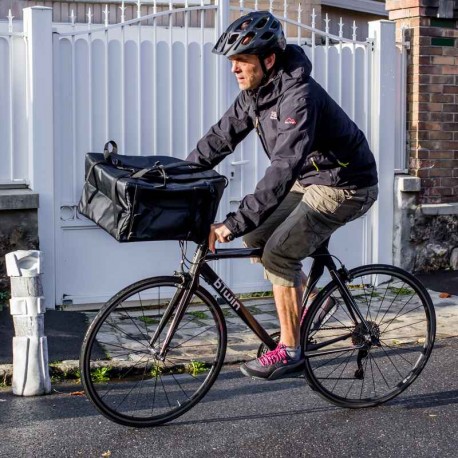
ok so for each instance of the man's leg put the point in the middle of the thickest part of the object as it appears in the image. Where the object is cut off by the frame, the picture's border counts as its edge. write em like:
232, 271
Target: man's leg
288, 303
321, 211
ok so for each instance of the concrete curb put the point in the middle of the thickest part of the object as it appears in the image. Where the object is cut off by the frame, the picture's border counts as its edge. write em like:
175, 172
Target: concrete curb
243, 344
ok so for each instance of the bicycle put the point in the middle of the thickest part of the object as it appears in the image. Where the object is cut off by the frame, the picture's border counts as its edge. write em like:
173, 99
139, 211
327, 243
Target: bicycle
155, 348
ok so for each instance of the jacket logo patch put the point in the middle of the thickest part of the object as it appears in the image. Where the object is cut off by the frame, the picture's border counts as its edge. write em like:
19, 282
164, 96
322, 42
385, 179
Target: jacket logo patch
290, 121
273, 115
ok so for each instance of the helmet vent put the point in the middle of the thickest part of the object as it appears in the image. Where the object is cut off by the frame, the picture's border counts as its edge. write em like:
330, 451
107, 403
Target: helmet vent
233, 38
262, 22
267, 35
244, 25
248, 37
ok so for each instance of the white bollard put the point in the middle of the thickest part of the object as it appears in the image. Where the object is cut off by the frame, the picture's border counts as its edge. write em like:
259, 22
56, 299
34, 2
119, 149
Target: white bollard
30, 346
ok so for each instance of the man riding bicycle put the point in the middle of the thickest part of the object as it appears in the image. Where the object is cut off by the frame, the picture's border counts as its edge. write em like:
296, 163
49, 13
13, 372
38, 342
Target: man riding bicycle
322, 173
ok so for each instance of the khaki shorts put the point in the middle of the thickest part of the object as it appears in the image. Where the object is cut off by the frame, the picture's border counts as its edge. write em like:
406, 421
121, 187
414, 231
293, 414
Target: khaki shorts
301, 223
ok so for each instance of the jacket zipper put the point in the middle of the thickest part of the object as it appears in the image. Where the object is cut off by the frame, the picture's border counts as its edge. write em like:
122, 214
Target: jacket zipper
258, 128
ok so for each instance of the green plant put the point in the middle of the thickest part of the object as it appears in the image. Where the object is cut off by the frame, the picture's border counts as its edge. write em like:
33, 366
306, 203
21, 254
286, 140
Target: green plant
4, 298
256, 295
101, 374
197, 367
227, 312
400, 291
148, 320
155, 371
198, 315
59, 372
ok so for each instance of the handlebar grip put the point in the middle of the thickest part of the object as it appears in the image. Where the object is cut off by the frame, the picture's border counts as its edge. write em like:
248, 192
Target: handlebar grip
230, 237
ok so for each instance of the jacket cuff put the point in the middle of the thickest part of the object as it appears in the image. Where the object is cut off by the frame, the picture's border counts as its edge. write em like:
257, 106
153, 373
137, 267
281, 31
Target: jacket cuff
231, 224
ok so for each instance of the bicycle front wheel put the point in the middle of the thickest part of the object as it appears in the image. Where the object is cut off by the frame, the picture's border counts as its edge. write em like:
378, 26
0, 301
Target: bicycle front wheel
352, 366
122, 372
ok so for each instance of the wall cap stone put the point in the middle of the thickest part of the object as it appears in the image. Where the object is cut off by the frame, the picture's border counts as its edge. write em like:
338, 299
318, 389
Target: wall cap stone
438, 209
409, 183
18, 199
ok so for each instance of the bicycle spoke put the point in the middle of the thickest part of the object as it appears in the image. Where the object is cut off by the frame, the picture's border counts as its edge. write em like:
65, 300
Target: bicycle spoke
398, 353
126, 334
398, 339
407, 325
146, 389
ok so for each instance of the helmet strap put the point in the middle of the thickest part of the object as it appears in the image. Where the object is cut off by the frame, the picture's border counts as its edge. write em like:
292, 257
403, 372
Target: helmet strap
265, 72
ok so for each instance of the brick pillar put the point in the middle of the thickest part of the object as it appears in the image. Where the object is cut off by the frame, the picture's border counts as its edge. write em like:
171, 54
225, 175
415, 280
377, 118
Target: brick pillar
432, 101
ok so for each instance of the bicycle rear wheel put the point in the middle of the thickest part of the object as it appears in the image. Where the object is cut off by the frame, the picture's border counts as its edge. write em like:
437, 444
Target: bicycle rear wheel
122, 374
352, 367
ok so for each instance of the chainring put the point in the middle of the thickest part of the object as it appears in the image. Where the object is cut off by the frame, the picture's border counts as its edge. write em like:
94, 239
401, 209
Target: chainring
263, 348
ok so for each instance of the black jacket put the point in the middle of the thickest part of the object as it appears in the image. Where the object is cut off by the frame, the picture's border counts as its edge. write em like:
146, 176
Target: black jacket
306, 135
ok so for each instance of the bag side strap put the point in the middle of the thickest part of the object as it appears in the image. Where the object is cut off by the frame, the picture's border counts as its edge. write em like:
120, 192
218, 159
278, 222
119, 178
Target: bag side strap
155, 168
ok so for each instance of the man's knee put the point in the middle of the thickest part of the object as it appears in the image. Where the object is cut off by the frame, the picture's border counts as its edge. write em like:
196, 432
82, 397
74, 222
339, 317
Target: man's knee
281, 270
252, 240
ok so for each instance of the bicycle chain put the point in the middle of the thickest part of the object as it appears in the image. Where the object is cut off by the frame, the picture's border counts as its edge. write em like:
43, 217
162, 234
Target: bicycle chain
334, 328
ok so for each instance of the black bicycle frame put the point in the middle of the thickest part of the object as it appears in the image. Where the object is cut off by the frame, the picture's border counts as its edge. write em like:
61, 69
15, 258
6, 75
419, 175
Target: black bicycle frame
210, 276
321, 259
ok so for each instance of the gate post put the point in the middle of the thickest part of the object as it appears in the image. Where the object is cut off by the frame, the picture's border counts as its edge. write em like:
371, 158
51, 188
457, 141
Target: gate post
223, 19
222, 78
38, 32
383, 134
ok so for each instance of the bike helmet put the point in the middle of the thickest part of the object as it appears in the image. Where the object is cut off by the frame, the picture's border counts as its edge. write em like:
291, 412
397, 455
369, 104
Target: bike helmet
257, 33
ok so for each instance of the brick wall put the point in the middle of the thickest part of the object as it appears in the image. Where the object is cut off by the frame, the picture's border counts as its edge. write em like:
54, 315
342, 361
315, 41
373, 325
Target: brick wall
432, 94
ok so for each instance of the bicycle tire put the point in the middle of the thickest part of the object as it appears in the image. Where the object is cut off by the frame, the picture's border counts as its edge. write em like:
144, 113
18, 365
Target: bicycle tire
402, 320
130, 385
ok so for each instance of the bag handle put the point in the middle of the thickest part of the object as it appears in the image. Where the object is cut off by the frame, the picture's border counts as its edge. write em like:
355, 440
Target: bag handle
163, 168
106, 150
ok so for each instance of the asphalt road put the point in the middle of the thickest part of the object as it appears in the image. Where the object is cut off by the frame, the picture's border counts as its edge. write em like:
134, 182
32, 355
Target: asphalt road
249, 418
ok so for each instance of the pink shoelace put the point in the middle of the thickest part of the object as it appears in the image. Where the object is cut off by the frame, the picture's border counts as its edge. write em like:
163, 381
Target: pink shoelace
274, 356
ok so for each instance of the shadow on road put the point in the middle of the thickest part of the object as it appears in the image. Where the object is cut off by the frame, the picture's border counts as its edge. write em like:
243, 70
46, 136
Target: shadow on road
421, 401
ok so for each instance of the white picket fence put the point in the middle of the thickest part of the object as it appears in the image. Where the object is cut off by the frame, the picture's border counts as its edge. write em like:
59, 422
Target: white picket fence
155, 88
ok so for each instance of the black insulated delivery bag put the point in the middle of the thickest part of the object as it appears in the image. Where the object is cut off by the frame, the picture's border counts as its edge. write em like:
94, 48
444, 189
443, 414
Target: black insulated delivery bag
141, 198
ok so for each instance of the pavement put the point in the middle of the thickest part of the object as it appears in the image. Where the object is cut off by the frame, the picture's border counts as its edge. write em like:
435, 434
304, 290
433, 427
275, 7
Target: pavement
65, 330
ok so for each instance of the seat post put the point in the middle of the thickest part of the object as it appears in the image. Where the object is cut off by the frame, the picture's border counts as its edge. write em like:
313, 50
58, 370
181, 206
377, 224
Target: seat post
321, 259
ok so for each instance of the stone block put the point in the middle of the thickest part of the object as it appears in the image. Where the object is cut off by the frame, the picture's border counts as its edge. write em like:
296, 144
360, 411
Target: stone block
438, 209
18, 199
454, 259
24, 263
26, 286
31, 306
409, 184
30, 362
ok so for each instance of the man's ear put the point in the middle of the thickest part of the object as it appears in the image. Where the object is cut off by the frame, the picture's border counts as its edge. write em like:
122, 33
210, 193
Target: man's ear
269, 61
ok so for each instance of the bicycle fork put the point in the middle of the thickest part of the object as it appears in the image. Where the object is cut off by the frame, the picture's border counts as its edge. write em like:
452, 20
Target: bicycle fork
177, 304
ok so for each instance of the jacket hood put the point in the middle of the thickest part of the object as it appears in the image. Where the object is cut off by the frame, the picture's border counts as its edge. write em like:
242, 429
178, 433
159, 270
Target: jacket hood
295, 63
295, 67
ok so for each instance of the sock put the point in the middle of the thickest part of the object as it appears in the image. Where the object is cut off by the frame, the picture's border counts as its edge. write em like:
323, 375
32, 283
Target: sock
294, 352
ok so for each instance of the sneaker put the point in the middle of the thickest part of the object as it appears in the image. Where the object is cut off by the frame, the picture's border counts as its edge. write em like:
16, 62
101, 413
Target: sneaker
273, 365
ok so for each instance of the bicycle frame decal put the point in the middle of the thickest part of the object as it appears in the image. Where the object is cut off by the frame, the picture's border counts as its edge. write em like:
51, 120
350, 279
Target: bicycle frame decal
210, 276
226, 293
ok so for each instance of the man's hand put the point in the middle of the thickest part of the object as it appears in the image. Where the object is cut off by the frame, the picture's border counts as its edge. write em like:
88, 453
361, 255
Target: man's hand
218, 232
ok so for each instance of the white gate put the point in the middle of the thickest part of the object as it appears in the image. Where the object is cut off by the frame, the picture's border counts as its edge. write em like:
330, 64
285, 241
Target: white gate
153, 85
